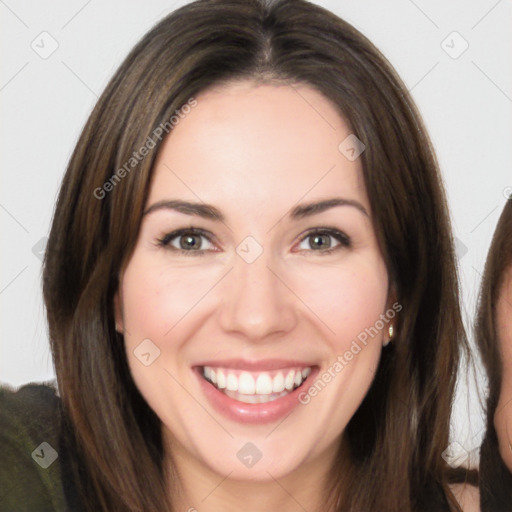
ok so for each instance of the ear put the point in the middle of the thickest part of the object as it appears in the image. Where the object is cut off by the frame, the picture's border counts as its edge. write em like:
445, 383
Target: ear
118, 313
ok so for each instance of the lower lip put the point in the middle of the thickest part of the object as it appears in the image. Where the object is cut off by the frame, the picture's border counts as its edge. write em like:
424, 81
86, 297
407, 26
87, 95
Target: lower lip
253, 413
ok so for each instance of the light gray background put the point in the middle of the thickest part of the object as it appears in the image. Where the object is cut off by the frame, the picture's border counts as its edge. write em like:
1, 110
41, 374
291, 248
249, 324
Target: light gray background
466, 102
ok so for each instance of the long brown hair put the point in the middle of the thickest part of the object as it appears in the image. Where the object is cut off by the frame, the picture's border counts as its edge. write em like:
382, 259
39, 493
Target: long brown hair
399, 432
495, 478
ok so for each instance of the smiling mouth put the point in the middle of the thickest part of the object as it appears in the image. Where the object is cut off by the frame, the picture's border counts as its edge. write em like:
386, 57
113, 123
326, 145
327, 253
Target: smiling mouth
255, 387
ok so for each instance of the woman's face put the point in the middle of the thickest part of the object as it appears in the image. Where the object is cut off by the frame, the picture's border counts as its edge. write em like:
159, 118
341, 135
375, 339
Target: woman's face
266, 290
503, 416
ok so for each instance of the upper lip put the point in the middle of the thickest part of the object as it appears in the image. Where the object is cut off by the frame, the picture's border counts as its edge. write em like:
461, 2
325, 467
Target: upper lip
261, 365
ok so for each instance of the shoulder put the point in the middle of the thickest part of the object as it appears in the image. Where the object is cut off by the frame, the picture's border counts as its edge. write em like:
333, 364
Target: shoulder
34, 395
29, 442
468, 496
29, 412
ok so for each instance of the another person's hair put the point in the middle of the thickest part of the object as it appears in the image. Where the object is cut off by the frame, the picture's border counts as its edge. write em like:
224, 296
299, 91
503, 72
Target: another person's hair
495, 477
399, 432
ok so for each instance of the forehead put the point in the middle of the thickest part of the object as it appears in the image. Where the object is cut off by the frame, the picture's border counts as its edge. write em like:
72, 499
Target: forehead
248, 143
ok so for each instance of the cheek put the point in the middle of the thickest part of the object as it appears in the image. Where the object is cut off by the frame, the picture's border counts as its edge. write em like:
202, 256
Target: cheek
156, 298
504, 333
347, 299
351, 303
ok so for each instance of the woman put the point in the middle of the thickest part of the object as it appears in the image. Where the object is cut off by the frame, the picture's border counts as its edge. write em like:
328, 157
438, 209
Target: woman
494, 338
207, 358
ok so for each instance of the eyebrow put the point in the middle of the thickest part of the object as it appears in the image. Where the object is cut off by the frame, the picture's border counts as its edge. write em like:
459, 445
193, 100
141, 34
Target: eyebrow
208, 211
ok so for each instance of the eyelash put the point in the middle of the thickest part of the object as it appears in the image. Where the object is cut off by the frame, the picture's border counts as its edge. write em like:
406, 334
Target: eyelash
164, 241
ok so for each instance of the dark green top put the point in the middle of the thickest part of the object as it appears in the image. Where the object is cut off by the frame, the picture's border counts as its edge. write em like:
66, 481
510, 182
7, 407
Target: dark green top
32, 462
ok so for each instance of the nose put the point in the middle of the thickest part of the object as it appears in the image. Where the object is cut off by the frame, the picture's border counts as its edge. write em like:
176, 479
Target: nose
258, 303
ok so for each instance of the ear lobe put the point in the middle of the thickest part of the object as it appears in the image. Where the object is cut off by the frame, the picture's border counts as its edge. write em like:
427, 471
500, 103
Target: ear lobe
118, 314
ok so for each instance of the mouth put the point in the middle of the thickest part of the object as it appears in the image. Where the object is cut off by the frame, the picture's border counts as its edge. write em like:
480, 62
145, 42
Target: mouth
251, 387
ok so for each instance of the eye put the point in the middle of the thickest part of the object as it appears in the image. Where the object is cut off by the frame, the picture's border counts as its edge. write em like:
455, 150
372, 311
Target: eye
188, 241
319, 240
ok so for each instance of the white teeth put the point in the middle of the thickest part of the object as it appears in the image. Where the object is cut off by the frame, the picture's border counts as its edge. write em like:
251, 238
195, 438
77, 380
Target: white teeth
231, 382
288, 382
246, 384
221, 379
260, 384
264, 384
278, 383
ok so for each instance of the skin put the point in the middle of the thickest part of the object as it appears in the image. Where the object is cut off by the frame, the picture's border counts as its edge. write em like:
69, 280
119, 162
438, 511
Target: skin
468, 497
503, 415
254, 152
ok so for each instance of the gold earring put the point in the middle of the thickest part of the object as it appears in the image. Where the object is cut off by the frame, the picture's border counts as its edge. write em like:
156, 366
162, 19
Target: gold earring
390, 332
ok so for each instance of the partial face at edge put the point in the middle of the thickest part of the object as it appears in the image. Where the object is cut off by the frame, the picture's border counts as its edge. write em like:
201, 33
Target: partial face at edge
255, 286
503, 415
